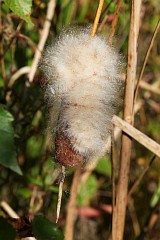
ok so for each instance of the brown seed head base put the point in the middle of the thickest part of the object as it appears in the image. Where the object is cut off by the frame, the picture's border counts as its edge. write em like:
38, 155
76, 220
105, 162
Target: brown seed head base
64, 152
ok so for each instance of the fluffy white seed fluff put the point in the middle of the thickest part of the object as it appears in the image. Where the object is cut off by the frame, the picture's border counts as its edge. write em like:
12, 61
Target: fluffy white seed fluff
83, 72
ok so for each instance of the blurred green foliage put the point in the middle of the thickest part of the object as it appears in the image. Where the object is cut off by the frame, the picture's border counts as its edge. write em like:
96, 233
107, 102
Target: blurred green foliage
44, 229
87, 191
26, 130
7, 232
8, 156
22, 8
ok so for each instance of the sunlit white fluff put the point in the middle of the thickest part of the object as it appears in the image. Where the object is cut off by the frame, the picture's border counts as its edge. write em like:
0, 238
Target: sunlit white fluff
83, 72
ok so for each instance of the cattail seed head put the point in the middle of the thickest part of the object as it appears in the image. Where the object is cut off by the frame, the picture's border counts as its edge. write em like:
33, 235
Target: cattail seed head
83, 73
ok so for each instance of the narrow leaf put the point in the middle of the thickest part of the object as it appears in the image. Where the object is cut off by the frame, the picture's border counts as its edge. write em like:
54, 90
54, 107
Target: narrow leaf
8, 156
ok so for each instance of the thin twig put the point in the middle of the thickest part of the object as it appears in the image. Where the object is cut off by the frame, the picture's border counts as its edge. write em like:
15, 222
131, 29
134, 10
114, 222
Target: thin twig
137, 135
96, 20
114, 22
130, 200
17, 74
60, 192
137, 182
105, 18
8, 209
44, 35
71, 208
121, 198
146, 59
13, 37
136, 225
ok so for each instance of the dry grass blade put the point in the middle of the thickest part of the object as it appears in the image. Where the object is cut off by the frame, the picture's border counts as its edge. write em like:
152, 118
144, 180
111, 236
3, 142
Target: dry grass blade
8, 209
60, 192
113, 179
96, 20
44, 35
137, 135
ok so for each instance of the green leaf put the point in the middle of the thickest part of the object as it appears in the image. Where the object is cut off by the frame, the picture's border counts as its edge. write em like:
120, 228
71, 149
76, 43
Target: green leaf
156, 196
8, 156
87, 191
24, 192
44, 229
104, 167
6, 230
34, 180
22, 8
34, 147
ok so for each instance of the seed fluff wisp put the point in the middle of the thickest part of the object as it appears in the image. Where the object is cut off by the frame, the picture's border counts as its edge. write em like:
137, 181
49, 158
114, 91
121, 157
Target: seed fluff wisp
82, 74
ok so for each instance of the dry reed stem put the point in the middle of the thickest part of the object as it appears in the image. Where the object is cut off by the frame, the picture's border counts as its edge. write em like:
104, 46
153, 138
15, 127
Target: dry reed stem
113, 178
146, 59
71, 208
60, 192
114, 22
96, 20
121, 197
43, 38
8, 209
137, 135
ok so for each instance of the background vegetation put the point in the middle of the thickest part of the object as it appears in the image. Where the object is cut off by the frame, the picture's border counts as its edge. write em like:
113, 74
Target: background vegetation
29, 178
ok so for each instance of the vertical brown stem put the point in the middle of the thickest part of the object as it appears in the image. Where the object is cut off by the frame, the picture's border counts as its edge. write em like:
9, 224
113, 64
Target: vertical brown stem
114, 22
1, 48
121, 199
113, 181
71, 208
